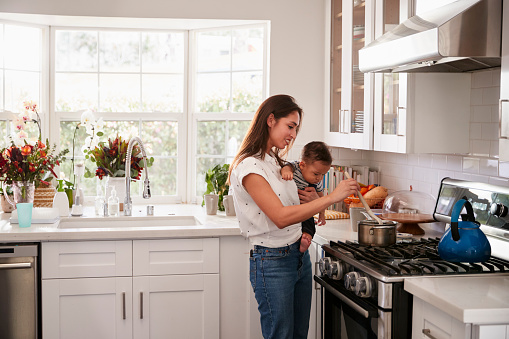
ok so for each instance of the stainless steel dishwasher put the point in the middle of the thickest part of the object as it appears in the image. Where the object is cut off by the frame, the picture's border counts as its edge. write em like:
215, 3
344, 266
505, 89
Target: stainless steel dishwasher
19, 291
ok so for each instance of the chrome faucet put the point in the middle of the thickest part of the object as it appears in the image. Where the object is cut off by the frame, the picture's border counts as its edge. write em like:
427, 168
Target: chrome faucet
128, 204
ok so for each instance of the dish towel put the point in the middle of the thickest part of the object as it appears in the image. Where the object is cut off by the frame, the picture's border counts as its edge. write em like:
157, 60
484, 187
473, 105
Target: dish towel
333, 215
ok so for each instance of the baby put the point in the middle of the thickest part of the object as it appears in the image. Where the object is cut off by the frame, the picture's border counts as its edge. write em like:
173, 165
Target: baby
308, 172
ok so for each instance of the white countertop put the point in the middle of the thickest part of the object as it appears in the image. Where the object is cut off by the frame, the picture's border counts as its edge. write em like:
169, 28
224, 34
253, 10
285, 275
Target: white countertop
210, 226
476, 300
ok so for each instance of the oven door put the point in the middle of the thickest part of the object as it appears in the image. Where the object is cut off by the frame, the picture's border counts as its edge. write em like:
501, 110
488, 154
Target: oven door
345, 315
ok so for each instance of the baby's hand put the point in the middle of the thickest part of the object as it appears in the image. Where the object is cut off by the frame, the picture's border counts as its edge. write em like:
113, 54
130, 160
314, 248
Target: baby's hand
287, 172
321, 219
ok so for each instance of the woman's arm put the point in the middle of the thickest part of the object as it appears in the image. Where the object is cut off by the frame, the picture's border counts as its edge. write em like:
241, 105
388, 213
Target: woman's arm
263, 195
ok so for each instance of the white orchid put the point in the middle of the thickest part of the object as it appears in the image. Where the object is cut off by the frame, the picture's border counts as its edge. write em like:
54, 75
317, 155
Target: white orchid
19, 123
19, 138
87, 118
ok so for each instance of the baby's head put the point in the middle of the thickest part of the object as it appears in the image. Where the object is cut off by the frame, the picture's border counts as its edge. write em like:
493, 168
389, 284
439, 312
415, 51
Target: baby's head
315, 161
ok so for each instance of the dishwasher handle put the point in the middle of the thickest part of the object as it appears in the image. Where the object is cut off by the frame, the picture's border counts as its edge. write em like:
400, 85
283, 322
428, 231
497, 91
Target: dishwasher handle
15, 265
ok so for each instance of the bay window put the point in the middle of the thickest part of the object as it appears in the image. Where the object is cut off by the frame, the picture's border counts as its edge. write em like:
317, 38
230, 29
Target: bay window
189, 94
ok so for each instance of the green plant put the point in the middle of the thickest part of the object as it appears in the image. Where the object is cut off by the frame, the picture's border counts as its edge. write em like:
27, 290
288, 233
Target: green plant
216, 178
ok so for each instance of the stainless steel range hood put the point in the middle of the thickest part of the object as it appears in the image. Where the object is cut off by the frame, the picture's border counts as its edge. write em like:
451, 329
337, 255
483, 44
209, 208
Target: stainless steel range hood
462, 36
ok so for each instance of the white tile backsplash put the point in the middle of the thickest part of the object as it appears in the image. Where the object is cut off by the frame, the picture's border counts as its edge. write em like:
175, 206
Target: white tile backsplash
425, 171
482, 79
490, 95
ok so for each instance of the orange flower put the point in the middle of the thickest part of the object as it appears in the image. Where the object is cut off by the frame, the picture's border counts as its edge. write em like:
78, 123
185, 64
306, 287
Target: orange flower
43, 153
40, 144
26, 150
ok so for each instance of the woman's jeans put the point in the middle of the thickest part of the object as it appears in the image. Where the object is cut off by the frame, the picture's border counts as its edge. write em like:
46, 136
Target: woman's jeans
282, 283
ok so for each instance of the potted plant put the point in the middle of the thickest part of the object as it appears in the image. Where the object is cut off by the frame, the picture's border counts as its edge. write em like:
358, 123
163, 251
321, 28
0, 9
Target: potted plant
216, 178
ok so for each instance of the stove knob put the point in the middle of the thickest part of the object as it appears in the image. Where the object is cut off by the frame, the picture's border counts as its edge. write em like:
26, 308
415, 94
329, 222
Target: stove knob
323, 265
498, 210
336, 270
364, 287
350, 280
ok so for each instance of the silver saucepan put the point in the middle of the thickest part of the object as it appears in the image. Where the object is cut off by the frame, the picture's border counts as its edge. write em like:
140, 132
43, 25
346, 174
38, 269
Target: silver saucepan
372, 233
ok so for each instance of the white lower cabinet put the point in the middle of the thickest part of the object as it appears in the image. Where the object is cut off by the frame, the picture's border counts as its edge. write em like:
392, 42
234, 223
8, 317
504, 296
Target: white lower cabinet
429, 322
90, 289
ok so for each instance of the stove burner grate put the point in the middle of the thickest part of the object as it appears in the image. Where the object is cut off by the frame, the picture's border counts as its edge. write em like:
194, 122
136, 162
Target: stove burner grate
416, 257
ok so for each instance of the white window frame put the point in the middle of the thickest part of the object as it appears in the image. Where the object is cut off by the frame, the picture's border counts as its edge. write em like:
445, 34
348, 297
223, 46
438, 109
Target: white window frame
196, 117
180, 118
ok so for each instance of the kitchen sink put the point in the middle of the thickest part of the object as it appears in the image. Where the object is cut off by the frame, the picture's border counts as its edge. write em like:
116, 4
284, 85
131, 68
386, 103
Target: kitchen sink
115, 222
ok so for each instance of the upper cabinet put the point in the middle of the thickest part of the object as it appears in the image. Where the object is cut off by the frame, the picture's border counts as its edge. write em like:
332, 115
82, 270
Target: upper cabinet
503, 148
392, 112
350, 120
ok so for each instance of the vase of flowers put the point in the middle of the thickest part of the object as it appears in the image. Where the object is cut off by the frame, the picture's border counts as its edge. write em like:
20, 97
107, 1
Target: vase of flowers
110, 158
23, 168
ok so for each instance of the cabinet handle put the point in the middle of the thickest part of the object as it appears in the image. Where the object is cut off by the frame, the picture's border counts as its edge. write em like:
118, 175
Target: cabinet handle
427, 333
141, 305
500, 116
16, 265
344, 127
123, 306
399, 122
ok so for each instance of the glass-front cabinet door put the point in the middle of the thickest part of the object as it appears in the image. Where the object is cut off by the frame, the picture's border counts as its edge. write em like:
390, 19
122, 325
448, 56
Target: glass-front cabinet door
390, 103
350, 115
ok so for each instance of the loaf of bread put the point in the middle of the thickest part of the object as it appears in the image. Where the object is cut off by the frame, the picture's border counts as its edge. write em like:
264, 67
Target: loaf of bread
375, 195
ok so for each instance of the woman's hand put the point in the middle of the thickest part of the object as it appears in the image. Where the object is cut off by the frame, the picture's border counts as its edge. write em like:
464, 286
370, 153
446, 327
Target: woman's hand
345, 189
308, 194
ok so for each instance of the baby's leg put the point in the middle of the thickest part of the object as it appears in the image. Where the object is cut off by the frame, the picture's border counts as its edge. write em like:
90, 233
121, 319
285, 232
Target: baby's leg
305, 242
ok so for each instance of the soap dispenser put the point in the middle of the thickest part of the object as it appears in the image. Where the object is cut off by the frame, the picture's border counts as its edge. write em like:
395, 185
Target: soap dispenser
60, 200
113, 203
99, 201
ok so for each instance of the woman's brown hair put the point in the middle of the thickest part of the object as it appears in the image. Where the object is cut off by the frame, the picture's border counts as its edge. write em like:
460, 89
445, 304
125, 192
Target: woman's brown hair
257, 136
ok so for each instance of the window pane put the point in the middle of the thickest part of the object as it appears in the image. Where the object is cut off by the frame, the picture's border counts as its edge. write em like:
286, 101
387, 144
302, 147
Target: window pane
22, 48
212, 92
119, 51
163, 177
67, 129
213, 51
125, 129
202, 165
120, 93
160, 137
247, 91
163, 52
248, 49
3, 133
76, 91
76, 51
236, 132
163, 93
211, 137
20, 86
1, 86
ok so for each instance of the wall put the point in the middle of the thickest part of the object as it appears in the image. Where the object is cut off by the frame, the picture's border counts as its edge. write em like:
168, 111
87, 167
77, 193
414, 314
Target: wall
296, 49
425, 171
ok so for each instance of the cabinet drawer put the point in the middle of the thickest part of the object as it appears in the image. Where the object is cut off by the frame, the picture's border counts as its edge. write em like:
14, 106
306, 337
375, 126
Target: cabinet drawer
86, 259
437, 323
175, 256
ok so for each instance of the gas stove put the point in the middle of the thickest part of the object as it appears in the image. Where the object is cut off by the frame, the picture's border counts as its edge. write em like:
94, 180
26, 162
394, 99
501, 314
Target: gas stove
396, 262
363, 286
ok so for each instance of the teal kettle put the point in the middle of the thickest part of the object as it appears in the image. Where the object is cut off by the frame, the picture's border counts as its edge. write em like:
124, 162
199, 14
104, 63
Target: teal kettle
464, 241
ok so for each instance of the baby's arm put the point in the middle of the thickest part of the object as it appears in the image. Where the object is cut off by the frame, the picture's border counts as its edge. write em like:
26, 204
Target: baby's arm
321, 216
287, 171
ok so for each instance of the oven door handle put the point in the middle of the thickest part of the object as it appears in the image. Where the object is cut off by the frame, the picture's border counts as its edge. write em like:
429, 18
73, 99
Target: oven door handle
356, 307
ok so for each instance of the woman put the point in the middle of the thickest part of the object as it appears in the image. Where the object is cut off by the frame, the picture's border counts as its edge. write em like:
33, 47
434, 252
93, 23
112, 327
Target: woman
270, 214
